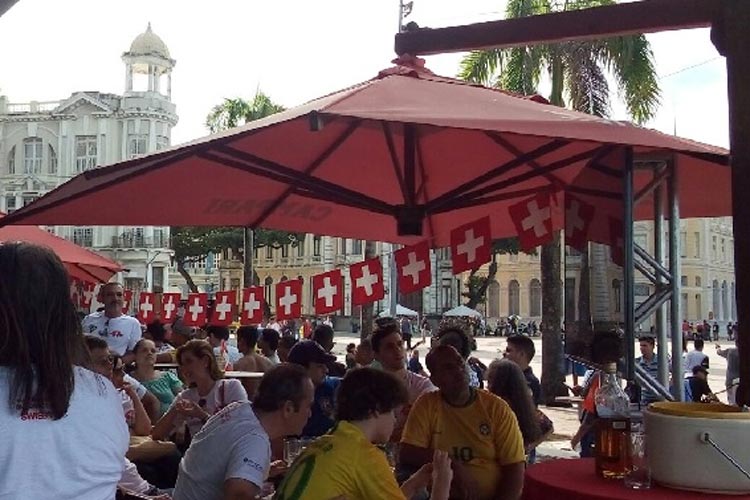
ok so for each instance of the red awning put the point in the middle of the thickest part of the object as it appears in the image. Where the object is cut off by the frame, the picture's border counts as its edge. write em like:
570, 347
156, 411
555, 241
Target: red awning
82, 264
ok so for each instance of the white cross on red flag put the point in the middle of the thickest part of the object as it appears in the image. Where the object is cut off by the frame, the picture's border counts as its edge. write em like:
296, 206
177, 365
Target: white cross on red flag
196, 309
127, 298
616, 245
170, 302
533, 220
413, 267
289, 299
87, 295
252, 305
471, 245
328, 295
367, 281
146, 310
578, 217
224, 308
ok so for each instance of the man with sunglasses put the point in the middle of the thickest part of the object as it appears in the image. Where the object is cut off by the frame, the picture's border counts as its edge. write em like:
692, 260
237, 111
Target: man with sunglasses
121, 332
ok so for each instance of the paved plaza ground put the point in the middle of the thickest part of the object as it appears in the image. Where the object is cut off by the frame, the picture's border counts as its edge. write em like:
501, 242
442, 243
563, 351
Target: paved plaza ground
565, 419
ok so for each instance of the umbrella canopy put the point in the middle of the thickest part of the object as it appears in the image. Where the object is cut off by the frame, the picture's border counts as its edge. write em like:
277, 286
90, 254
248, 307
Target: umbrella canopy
400, 311
82, 264
403, 157
463, 311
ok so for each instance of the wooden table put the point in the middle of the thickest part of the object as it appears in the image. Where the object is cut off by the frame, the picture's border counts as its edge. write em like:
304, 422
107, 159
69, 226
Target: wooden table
574, 479
166, 366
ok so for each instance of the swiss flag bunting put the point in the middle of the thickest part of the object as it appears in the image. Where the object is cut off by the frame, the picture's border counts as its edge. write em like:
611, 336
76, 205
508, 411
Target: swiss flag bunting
367, 281
413, 267
196, 309
170, 302
146, 310
471, 245
578, 217
616, 244
74, 296
87, 295
252, 305
224, 308
289, 299
127, 298
328, 295
533, 220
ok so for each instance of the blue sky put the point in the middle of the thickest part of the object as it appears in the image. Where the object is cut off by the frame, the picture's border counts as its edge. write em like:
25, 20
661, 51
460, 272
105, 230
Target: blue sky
294, 50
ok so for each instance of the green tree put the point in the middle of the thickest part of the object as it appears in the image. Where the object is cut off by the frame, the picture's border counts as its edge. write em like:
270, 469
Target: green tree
577, 71
476, 285
191, 244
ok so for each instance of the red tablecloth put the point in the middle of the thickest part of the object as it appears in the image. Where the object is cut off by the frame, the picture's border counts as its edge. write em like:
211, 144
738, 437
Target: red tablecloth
574, 479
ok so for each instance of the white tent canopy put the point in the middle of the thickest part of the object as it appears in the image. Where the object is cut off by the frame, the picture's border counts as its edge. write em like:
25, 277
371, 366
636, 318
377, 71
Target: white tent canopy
400, 311
463, 311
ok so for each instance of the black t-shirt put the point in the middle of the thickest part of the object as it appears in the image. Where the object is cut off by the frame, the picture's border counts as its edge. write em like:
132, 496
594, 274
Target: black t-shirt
698, 388
534, 385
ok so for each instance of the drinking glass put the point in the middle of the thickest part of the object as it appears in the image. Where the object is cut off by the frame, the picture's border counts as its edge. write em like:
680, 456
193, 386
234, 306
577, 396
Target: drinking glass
639, 475
292, 449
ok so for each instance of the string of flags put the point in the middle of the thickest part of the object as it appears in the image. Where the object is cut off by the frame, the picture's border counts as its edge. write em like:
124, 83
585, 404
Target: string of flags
471, 247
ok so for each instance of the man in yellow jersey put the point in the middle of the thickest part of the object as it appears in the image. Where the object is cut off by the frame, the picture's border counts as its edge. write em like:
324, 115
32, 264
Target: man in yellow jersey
346, 464
477, 429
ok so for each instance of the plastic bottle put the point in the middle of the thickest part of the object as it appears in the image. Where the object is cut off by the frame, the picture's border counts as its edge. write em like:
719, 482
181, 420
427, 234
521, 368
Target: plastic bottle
613, 426
223, 358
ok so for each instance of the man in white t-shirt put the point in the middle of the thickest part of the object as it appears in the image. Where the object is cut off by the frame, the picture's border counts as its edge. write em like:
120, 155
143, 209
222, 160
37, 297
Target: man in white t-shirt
388, 347
218, 334
231, 455
120, 331
696, 357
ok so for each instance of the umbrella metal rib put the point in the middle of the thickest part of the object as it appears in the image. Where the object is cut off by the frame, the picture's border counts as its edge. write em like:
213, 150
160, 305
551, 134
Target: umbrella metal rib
317, 162
509, 147
464, 189
386, 127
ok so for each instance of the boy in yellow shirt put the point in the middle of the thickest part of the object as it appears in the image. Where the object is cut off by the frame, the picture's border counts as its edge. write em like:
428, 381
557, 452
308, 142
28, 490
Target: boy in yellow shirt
346, 464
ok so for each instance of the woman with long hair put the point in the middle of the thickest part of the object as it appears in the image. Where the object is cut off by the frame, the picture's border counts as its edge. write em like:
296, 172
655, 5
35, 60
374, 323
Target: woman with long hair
44, 455
207, 392
165, 385
505, 379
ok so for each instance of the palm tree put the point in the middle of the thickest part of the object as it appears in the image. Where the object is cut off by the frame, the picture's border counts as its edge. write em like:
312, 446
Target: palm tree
233, 113
578, 72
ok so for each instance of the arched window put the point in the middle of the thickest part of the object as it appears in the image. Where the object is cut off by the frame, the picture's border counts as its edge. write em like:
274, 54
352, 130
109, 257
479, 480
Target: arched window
268, 283
716, 298
12, 160
514, 297
32, 155
535, 298
51, 160
493, 299
724, 301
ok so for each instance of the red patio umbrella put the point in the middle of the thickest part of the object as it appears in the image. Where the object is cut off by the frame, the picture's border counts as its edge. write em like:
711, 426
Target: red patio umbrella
405, 156
82, 264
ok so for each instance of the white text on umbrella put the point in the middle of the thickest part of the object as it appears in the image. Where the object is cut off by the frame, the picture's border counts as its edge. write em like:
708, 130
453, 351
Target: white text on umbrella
223, 308
413, 268
367, 280
288, 300
195, 309
470, 245
536, 219
328, 291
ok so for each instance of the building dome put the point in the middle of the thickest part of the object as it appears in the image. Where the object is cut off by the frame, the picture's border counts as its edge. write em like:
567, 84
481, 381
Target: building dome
149, 44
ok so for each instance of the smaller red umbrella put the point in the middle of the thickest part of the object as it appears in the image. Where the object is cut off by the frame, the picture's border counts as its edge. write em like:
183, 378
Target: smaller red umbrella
82, 264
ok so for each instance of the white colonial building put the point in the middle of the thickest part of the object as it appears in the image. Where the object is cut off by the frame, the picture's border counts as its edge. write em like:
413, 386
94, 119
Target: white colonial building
43, 144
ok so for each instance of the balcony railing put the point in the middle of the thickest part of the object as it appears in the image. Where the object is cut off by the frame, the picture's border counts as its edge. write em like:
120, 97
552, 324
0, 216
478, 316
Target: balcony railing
139, 242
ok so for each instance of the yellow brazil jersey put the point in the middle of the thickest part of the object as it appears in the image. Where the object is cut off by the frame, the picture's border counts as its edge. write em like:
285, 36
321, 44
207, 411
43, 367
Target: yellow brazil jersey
342, 464
483, 435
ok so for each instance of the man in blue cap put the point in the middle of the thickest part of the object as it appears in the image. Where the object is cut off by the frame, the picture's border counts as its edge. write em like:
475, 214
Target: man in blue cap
315, 359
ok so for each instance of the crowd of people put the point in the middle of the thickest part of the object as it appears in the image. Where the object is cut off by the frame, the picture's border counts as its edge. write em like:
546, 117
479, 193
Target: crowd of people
89, 414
